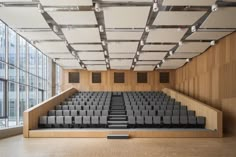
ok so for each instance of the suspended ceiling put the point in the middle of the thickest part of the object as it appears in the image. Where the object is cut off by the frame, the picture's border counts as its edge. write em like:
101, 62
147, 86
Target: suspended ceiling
120, 34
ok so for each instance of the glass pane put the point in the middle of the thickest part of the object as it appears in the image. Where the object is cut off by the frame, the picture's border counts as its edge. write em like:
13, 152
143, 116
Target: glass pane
22, 76
32, 80
12, 47
12, 104
44, 67
22, 102
22, 54
32, 59
32, 97
2, 99
2, 70
2, 42
40, 83
40, 64
40, 96
12, 73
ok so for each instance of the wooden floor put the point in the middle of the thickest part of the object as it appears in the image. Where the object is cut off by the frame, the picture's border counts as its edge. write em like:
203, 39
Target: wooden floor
99, 147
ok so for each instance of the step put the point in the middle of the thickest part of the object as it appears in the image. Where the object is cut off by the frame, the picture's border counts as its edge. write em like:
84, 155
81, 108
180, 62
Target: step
117, 108
117, 118
117, 126
118, 136
117, 122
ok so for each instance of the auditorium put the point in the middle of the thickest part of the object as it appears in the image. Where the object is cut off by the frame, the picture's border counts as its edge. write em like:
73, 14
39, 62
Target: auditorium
117, 78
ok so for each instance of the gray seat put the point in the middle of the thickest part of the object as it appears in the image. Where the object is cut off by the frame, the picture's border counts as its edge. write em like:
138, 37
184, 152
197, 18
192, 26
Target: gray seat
65, 107
161, 113
130, 112
175, 121
66, 112
93, 107
58, 107
68, 120
167, 120
148, 107
157, 107
168, 113
183, 120
94, 120
58, 112
73, 113
176, 107
99, 107
59, 120
144, 112
183, 112
103, 120
163, 107
97, 113
131, 120
86, 120
148, 120
78, 120
175, 112
151, 112
86, 107
104, 112
51, 113
157, 120
128, 107
137, 113
70, 102
142, 107
183, 107
43, 120
192, 121
90, 113
170, 107
191, 113
106, 107
78, 107
201, 121
71, 107
82, 112
135, 107
140, 120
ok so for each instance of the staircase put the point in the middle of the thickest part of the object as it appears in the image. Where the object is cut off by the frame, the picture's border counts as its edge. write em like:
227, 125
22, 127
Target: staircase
117, 118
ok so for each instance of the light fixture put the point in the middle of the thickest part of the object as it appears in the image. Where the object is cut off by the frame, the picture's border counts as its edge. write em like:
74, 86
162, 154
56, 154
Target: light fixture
141, 42
180, 43
132, 66
214, 7
135, 60
101, 29
158, 66
97, 7
40, 8
187, 60
212, 43
54, 60
107, 65
138, 53
147, 29
193, 29
106, 60
163, 60
155, 7
171, 53
105, 52
104, 43
73, 53
67, 44
55, 28
83, 66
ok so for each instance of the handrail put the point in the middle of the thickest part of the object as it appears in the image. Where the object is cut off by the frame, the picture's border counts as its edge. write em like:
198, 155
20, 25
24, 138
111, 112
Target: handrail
31, 116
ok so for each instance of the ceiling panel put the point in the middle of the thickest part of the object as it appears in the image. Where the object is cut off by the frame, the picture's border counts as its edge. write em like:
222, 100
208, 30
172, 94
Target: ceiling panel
60, 55
15, 0
96, 67
147, 62
144, 67
173, 63
91, 55
120, 67
178, 17
40, 35
152, 55
126, 17
166, 35
82, 35
193, 47
184, 55
68, 63
94, 62
66, 2
158, 47
121, 62
74, 17
23, 17
47, 47
121, 55
128, 1
122, 47
124, 35
85, 47
188, 2
207, 35
222, 18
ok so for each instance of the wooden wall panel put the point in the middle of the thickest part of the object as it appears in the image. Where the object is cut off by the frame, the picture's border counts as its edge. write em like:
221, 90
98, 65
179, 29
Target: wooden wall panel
109, 85
213, 72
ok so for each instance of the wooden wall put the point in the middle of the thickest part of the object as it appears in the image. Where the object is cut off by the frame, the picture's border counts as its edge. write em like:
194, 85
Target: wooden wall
211, 77
109, 85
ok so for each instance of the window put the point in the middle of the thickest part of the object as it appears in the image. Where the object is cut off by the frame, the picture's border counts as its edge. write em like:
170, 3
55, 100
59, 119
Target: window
2, 42
12, 104
22, 54
141, 77
74, 77
164, 77
119, 77
2, 70
22, 101
58, 75
96, 77
32, 60
12, 47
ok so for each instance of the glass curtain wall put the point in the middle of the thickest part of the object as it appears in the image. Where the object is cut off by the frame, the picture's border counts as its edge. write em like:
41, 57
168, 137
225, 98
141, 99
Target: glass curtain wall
25, 77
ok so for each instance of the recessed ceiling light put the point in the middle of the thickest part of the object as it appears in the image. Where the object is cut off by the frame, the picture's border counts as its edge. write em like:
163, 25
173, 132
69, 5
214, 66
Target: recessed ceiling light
141, 42
212, 43
147, 29
171, 53
106, 60
193, 28
214, 7
155, 7
105, 52
132, 66
135, 60
104, 43
55, 28
138, 53
163, 60
180, 43
158, 66
97, 7
187, 60
101, 29
107, 65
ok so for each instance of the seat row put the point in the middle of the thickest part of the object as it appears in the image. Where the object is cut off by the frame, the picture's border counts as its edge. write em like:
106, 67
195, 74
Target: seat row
86, 103
166, 121
151, 103
157, 107
72, 122
78, 113
160, 113
82, 107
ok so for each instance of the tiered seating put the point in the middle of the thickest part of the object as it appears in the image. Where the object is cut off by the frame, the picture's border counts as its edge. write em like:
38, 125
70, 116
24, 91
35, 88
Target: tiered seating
156, 109
83, 109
